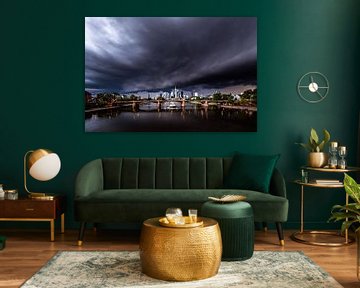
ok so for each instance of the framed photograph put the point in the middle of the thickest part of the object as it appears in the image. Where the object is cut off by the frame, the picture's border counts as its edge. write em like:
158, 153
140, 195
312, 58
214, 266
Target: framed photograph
170, 74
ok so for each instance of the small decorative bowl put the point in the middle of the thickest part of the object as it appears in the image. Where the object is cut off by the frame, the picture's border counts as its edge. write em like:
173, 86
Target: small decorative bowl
228, 198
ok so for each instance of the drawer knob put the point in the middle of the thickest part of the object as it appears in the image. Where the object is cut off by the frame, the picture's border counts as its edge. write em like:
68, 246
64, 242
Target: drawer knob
29, 209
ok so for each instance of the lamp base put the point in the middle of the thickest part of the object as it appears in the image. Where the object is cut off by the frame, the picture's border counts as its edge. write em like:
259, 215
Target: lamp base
41, 196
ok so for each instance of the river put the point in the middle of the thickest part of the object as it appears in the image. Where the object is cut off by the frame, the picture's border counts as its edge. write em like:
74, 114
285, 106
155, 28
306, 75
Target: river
175, 119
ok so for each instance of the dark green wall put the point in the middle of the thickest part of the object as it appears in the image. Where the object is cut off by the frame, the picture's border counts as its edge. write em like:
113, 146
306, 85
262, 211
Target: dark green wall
42, 86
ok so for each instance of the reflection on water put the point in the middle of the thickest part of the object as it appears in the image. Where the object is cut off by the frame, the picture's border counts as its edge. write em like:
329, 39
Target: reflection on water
149, 117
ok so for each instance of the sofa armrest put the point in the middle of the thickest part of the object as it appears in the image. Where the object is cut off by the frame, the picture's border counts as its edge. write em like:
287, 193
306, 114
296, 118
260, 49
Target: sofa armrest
277, 184
89, 179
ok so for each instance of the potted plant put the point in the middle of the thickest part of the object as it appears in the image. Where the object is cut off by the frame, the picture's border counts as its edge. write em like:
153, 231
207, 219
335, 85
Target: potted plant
350, 213
317, 157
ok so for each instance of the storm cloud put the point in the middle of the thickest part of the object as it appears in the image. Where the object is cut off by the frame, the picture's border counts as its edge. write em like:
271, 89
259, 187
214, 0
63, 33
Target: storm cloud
147, 54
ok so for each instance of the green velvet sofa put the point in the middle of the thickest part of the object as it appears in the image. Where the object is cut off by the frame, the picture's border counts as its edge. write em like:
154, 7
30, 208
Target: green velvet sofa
130, 190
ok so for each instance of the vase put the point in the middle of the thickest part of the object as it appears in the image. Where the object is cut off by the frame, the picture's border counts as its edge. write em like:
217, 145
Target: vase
317, 159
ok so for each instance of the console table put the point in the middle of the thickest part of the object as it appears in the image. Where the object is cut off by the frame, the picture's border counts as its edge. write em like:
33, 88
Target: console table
27, 209
297, 235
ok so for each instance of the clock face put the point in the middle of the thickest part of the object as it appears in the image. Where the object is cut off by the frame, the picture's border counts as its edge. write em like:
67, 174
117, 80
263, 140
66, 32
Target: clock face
313, 87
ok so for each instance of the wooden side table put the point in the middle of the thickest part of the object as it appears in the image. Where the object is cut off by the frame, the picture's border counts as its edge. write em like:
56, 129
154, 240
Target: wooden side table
26, 209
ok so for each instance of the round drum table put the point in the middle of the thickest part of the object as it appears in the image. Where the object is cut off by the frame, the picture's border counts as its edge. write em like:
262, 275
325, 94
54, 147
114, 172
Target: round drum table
180, 254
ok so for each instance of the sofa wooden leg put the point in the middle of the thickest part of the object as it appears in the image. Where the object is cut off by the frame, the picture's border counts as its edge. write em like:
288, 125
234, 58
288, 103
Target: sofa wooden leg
280, 233
95, 227
81, 233
265, 227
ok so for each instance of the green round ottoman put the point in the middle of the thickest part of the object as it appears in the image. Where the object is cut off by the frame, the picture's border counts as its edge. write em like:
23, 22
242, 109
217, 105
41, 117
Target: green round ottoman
236, 221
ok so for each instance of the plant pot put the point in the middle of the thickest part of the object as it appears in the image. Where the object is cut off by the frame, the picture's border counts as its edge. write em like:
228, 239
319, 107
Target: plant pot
317, 159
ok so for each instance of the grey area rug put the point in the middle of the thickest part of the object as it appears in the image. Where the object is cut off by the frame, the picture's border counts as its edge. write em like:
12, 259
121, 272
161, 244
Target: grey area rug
80, 269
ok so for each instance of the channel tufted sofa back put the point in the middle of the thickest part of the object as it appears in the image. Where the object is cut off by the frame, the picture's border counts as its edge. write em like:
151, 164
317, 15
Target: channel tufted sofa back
164, 173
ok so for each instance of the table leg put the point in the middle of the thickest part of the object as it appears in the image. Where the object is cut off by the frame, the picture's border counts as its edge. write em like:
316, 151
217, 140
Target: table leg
302, 209
63, 223
52, 230
346, 230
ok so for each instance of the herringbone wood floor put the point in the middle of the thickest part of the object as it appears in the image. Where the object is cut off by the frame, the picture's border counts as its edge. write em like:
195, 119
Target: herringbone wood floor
28, 250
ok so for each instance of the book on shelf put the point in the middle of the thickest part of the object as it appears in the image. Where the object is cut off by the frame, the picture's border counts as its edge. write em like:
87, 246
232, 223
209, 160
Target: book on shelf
327, 181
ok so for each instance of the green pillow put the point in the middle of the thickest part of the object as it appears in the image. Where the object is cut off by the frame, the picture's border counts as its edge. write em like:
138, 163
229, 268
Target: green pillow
251, 172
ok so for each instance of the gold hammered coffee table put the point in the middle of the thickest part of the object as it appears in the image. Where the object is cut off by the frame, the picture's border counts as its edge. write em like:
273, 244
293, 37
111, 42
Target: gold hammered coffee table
180, 254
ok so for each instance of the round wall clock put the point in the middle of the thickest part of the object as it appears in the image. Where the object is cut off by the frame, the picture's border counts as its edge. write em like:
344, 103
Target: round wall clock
313, 87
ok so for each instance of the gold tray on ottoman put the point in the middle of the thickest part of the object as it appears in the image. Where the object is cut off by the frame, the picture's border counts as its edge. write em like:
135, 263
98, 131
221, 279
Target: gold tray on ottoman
228, 198
188, 224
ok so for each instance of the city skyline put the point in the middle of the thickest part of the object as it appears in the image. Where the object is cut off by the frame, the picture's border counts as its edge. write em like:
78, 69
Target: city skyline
133, 55
170, 92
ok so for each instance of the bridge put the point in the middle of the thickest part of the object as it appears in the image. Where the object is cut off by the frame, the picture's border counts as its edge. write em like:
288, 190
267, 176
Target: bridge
135, 104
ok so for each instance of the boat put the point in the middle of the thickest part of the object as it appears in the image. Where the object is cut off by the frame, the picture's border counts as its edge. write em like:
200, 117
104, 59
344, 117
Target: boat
172, 106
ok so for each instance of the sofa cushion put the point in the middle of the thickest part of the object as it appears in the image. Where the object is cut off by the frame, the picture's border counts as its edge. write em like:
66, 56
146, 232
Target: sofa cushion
266, 207
251, 172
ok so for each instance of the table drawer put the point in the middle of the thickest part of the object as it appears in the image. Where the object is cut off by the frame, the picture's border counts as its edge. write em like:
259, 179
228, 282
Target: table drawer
28, 209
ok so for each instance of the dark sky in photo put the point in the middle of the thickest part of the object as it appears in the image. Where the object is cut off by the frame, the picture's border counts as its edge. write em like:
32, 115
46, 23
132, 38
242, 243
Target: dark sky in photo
150, 54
